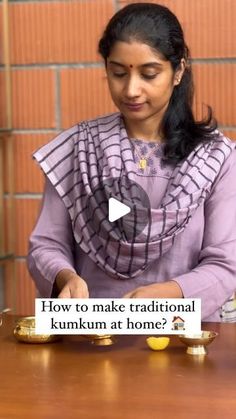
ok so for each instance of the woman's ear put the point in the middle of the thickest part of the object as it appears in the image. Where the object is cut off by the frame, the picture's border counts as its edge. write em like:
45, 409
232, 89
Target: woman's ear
179, 72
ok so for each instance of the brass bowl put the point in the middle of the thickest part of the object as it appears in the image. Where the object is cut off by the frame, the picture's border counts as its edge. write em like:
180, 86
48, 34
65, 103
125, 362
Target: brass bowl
100, 340
196, 343
25, 332
2, 313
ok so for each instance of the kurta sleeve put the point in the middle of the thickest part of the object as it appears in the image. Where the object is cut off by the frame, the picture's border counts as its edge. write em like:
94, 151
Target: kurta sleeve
51, 242
214, 278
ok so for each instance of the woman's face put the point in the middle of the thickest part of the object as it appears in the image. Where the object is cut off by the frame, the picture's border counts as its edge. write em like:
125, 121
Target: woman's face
141, 82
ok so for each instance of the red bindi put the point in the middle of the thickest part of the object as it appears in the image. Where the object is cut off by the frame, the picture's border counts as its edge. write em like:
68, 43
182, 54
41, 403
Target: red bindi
131, 65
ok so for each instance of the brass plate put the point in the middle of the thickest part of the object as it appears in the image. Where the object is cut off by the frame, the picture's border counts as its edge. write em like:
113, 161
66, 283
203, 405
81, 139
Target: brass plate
100, 340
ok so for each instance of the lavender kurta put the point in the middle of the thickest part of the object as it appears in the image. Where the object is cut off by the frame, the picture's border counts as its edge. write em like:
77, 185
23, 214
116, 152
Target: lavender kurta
202, 259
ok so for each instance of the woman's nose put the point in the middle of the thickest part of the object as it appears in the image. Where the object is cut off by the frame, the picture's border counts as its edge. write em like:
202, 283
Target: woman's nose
132, 88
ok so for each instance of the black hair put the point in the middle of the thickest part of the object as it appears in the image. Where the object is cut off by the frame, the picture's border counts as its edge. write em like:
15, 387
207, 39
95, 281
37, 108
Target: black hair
156, 26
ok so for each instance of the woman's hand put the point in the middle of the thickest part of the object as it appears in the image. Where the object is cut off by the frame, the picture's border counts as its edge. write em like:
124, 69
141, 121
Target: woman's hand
71, 285
169, 289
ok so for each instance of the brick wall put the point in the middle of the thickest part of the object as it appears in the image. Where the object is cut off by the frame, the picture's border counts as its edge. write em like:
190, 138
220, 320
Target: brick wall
58, 79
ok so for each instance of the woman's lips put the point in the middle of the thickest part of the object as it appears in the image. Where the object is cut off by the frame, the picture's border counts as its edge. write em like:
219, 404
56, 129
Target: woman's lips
134, 106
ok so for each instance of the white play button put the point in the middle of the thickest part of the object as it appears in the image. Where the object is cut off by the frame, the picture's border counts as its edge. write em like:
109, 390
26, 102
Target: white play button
116, 209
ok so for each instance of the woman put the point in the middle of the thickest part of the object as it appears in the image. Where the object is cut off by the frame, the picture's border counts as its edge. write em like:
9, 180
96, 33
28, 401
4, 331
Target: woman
175, 174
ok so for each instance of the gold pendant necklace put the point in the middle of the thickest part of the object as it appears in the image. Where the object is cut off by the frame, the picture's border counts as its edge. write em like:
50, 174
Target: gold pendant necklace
142, 163
143, 160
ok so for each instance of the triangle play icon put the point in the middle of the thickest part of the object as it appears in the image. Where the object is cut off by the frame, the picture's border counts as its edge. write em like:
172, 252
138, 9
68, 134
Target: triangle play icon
116, 209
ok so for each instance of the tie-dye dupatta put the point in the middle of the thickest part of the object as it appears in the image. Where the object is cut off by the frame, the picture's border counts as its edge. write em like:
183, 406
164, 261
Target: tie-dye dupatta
81, 159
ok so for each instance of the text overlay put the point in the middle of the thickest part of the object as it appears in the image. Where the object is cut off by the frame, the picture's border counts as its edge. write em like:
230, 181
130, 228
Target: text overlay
117, 316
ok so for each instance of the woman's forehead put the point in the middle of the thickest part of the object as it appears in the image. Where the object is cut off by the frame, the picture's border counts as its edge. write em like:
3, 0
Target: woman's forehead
134, 52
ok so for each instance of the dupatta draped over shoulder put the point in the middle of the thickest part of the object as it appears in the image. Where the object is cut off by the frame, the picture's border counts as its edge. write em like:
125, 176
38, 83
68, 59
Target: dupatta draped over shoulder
93, 161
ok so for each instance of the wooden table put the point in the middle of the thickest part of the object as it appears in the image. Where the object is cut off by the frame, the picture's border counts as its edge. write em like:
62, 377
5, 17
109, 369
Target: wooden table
74, 379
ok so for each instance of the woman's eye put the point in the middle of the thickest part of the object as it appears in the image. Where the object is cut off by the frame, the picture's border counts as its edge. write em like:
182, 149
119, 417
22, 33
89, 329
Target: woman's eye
119, 74
149, 76
144, 76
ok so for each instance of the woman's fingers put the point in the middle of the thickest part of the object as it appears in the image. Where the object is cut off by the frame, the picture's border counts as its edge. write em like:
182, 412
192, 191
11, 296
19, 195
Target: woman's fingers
76, 287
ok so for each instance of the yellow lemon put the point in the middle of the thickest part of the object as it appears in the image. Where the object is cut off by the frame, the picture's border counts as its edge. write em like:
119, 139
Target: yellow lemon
158, 344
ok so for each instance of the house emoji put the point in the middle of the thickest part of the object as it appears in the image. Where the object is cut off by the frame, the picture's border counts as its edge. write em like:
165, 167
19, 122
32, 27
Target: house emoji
177, 323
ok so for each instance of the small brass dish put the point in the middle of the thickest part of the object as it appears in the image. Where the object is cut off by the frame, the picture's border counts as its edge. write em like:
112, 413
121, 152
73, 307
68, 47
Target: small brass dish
196, 343
100, 340
25, 332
